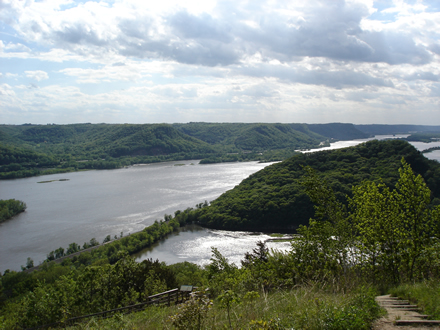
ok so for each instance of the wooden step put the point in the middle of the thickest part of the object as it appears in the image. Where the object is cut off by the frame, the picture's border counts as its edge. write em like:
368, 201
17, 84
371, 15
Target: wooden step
420, 316
395, 302
417, 322
400, 306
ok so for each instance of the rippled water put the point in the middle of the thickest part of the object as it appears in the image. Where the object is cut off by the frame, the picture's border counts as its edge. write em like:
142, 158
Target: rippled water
193, 244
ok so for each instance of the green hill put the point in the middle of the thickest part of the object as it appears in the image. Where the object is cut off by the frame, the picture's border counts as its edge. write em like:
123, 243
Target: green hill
258, 136
273, 199
338, 131
61, 148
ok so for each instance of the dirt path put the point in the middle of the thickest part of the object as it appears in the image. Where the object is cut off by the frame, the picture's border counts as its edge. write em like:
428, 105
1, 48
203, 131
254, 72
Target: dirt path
400, 310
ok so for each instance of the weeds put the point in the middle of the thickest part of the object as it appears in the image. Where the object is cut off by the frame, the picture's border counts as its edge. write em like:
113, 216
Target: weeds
425, 294
308, 307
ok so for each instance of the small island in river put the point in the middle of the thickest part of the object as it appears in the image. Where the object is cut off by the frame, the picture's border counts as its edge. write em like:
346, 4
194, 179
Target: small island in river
10, 207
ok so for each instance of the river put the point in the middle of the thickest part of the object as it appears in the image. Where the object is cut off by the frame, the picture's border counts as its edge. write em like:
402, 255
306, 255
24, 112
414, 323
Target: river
94, 204
106, 202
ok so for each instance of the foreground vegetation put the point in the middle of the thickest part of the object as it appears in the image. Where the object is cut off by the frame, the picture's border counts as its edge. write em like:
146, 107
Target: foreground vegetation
10, 207
425, 294
383, 234
309, 307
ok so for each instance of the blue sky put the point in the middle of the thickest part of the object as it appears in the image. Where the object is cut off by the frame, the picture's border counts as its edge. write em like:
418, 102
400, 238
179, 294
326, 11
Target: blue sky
137, 61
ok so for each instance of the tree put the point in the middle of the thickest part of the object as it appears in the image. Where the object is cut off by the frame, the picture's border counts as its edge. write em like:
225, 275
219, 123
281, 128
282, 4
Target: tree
387, 234
395, 227
59, 252
29, 263
73, 247
323, 248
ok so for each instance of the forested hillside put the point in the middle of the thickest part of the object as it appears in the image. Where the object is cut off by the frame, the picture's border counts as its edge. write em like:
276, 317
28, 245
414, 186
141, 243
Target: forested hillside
274, 198
338, 131
28, 150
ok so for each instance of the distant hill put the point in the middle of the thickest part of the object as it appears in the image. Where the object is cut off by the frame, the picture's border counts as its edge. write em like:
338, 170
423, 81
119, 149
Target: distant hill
258, 136
395, 129
338, 131
63, 148
274, 200
98, 146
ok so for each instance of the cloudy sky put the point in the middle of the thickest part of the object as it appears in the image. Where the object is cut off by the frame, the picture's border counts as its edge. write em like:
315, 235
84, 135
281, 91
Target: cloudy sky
143, 61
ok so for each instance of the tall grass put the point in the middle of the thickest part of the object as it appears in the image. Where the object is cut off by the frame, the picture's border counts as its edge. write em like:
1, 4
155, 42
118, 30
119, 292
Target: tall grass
425, 294
301, 308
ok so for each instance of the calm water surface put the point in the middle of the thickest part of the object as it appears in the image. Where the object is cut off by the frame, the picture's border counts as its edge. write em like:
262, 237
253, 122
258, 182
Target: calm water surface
98, 203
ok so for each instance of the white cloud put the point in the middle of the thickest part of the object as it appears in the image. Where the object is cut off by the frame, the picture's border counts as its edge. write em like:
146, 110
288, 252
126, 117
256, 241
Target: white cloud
6, 90
11, 47
37, 75
211, 60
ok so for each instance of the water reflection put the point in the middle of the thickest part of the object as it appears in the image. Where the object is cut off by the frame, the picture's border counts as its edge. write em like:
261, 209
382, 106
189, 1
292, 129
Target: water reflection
193, 244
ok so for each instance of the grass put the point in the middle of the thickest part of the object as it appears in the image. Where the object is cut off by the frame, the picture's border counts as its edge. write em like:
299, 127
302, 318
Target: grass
300, 308
425, 294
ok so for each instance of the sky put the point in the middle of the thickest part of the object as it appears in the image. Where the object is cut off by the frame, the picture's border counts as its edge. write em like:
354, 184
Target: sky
174, 61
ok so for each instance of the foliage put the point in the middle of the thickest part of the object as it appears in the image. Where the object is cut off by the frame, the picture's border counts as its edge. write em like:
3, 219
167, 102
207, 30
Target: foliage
425, 294
426, 137
192, 313
357, 311
94, 289
29, 150
274, 199
396, 228
387, 236
10, 207
290, 309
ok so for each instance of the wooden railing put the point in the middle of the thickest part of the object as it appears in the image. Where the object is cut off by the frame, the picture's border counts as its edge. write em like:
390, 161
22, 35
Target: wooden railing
174, 296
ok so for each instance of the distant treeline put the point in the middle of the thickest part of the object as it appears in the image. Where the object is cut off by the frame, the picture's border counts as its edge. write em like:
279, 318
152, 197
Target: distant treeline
10, 207
29, 150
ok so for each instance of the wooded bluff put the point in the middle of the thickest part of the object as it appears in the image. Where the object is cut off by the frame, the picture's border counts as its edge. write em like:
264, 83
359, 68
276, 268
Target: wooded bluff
274, 198
28, 150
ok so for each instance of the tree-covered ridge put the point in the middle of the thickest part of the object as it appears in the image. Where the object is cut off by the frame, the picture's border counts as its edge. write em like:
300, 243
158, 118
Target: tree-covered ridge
97, 146
274, 199
426, 137
338, 131
10, 207
64, 148
259, 136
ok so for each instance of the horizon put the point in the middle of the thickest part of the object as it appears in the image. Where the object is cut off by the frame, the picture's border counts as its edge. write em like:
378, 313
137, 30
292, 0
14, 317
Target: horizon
207, 122
117, 61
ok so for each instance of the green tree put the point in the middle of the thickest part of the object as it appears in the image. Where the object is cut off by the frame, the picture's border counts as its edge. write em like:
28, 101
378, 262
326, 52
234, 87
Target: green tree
395, 227
29, 263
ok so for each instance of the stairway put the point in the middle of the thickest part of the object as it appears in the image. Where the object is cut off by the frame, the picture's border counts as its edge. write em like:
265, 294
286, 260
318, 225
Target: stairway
402, 313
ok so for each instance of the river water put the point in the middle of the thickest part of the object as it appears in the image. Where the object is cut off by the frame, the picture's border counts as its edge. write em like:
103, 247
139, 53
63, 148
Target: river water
108, 202
193, 244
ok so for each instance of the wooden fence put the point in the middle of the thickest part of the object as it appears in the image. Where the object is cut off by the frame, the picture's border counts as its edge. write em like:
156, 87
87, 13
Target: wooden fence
174, 296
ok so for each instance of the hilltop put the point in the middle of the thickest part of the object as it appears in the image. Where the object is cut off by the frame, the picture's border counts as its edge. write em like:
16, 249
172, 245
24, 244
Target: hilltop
273, 199
28, 150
